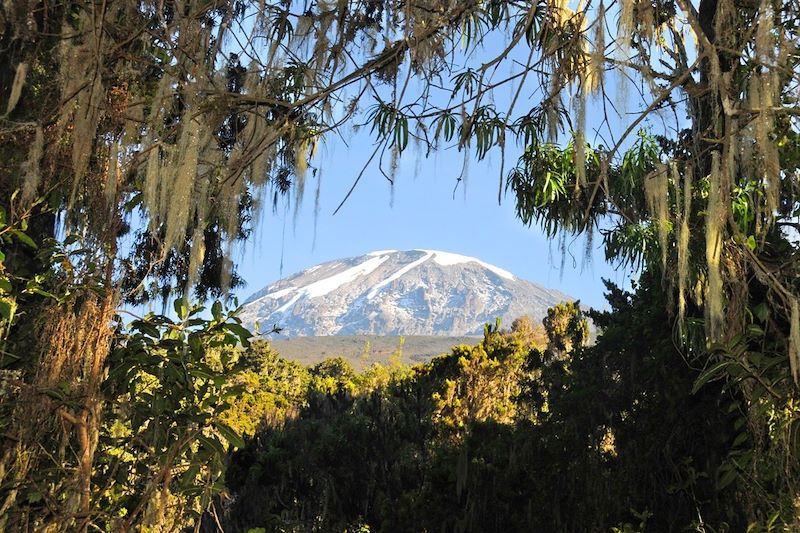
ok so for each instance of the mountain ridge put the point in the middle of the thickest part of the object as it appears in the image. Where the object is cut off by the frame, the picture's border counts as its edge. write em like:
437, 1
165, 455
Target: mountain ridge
391, 292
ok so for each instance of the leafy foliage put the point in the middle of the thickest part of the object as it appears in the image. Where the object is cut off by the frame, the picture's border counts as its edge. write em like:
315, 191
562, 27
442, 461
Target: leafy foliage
166, 439
460, 444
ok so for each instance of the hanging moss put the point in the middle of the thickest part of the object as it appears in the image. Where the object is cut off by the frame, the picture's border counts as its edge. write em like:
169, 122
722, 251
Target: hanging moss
656, 187
683, 240
16, 87
716, 217
176, 206
32, 170
597, 52
794, 340
579, 160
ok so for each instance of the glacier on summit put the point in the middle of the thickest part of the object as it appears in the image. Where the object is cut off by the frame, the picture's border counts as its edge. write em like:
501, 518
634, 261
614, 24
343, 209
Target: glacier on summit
391, 292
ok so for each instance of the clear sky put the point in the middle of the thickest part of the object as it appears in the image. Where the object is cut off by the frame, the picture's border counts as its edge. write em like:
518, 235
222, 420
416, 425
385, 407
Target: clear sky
421, 212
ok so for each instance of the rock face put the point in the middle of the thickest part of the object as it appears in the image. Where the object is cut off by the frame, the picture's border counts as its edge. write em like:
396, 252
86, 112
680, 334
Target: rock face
415, 292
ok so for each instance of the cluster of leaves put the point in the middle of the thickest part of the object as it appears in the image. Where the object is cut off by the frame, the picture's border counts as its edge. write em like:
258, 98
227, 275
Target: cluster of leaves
163, 447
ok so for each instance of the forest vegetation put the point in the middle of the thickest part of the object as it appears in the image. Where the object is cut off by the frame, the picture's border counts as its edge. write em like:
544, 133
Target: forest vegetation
511, 434
139, 141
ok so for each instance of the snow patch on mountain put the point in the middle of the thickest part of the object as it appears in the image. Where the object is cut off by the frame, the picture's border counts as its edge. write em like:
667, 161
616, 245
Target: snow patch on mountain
447, 259
326, 285
377, 288
282, 292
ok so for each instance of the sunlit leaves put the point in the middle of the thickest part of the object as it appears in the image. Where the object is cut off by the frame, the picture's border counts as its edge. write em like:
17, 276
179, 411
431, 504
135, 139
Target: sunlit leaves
744, 204
637, 162
546, 191
172, 382
631, 245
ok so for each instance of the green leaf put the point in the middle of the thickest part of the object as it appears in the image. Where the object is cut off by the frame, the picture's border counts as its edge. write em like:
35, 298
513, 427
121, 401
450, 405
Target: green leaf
233, 438
739, 440
234, 391
119, 370
23, 238
8, 308
761, 311
216, 311
751, 242
40, 292
709, 374
181, 308
146, 328
55, 394
240, 331
200, 373
727, 478
213, 444
189, 478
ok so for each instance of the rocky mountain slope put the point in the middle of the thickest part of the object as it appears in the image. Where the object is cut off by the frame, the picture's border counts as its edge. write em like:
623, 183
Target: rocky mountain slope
415, 292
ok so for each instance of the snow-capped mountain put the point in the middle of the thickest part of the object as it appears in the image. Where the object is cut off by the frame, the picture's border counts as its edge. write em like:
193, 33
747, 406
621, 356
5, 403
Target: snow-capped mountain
390, 292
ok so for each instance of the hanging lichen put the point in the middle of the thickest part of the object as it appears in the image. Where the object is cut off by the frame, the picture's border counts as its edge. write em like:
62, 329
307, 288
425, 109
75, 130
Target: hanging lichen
645, 19
765, 42
551, 114
580, 141
81, 113
794, 340
32, 173
715, 225
196, 257
301, 155
152, 181
590, 78
597, 53
765, 125
255, 145
176, 205
16, 87
683, 239
204, 202
158, 154
624, 36
656, 189
85, 120
134, 120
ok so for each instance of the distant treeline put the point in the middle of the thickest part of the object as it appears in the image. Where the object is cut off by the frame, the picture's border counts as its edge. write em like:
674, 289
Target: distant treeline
521, 432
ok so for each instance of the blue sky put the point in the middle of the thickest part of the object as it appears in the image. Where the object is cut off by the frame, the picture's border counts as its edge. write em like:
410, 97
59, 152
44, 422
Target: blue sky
421, 212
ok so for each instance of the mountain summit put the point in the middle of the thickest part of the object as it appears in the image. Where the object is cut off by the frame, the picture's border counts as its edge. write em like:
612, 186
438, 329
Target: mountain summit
390, 292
